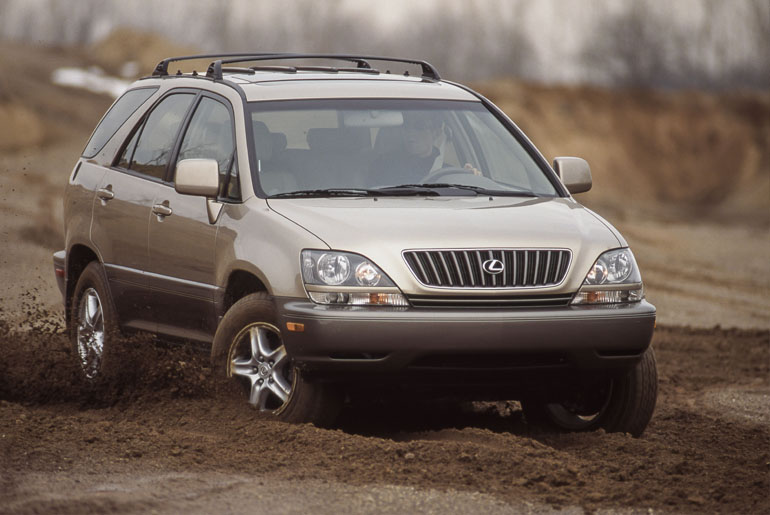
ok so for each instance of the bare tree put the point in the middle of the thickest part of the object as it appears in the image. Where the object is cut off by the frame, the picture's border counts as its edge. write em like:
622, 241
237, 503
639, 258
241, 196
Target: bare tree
640, 47
630, 49
644, 43
756, 73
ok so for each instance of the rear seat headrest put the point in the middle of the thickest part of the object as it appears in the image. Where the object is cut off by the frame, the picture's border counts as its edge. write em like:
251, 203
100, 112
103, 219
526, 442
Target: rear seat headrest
344, 139
389, 139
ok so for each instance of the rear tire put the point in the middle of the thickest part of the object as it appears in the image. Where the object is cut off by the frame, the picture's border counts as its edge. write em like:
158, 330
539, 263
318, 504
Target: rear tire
94, 327
621, 405
248, 348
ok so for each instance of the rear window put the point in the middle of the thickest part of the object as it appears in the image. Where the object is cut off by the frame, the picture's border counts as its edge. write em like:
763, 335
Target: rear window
115, 117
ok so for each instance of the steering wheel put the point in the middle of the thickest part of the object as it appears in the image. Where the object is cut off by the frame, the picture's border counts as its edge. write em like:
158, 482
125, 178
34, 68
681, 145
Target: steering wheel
441, 172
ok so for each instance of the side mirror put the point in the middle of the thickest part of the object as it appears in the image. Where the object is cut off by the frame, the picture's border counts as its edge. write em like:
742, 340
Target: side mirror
197, 177
574, 173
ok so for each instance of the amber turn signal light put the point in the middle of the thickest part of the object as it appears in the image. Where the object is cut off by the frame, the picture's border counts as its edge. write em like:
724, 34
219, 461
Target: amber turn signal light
295, 327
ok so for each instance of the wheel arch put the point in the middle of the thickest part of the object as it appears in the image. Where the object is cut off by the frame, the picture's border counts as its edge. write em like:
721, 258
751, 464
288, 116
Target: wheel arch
240, 283
78, 258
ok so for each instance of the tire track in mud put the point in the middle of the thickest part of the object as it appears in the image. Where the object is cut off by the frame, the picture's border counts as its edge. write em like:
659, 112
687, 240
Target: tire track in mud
163, 411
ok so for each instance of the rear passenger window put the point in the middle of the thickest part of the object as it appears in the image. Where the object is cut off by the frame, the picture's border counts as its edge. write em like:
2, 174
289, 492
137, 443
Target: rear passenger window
128, 152
150, 153
120, 111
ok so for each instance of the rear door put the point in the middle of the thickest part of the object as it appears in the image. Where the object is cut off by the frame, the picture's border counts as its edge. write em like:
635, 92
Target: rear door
181, 239
123, 204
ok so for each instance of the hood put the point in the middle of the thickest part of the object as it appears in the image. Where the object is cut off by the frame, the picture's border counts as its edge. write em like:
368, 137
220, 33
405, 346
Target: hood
381, 228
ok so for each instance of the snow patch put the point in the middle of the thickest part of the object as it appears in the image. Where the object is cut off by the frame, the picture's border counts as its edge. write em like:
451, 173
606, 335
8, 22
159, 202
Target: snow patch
92, 79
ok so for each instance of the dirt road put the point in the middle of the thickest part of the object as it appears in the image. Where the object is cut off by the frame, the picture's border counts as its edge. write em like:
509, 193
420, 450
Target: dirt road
163, 437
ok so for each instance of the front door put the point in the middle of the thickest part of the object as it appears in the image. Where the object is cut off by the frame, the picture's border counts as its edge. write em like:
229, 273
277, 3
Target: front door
181, 239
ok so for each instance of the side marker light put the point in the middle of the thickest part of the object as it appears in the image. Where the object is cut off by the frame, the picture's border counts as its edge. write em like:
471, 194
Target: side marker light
295, 327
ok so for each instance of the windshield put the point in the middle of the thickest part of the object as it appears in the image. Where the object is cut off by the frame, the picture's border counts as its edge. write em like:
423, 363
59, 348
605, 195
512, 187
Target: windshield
389, 147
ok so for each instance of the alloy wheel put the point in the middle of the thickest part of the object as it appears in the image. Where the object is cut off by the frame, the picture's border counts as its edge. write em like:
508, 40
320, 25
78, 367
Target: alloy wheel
90, 333
259, 360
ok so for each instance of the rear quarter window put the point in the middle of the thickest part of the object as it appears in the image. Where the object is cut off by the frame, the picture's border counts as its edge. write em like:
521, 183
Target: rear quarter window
120, 111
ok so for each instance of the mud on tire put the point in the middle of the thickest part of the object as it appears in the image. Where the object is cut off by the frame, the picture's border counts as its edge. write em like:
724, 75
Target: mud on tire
249, 349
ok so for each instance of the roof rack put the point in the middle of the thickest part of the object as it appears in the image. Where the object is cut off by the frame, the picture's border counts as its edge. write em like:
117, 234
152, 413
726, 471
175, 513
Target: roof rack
215, 68
161, 69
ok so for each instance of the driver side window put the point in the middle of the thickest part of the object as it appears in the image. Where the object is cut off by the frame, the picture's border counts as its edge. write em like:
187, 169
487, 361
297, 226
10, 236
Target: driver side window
210, 136
500, 152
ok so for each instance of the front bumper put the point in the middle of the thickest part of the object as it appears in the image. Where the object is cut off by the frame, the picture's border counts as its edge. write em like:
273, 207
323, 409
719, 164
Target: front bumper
391, 340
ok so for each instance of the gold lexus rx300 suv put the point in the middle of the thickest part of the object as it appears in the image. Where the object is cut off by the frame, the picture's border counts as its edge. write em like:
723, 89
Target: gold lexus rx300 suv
338, 231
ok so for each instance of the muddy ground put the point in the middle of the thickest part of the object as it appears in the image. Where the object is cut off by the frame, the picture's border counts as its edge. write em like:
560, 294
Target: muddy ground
163, 436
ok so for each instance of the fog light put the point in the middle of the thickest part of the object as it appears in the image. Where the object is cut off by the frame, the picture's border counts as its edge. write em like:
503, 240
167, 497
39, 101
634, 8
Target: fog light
322, 297
377, 299
608, 296
359, 298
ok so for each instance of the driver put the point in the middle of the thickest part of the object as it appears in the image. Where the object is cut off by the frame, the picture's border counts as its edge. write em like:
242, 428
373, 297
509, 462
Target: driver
421, 137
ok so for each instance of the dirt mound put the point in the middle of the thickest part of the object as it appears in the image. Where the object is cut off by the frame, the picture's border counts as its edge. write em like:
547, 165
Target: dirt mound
146, 49
34, 111
21, 127
702, 154
163, 413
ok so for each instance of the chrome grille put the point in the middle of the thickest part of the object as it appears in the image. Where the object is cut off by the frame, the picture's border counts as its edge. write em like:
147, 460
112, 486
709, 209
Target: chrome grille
523, 268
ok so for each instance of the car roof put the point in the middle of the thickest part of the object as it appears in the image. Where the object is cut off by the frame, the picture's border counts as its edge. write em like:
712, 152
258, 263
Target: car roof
317, 85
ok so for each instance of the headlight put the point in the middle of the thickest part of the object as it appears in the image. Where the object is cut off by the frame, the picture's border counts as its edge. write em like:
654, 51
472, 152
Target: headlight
343, 278
614, 278
333, 269
613, 267
367, 274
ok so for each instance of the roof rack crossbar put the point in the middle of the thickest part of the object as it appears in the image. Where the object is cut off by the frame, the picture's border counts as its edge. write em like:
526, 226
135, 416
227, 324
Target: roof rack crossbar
215, 68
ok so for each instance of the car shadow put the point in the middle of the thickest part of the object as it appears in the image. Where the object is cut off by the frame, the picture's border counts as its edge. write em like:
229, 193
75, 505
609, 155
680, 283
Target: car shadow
398, 420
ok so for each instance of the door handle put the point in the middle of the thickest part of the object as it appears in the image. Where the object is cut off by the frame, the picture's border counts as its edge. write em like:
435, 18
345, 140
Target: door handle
162, 210
105, 194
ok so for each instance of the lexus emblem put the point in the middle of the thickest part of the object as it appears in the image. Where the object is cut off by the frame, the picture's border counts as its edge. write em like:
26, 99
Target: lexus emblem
493, 266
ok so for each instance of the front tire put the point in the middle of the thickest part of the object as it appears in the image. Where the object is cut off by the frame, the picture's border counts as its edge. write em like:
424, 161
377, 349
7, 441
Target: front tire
248, 348
94, 327
624, 404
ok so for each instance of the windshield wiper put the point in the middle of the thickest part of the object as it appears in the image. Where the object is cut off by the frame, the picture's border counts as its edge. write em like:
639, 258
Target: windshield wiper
476, 189
328, 192
395, 191
405, 189
422, 189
